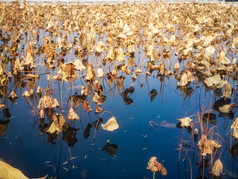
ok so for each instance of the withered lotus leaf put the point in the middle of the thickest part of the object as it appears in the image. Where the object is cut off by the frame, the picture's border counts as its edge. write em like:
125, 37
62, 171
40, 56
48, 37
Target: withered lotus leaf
26, 93
68, 71
100, 47
45, 102
99, 99
72, 115
2, 106
120, 54
100, 72
207, 146
98, 109
215, 81
226, 108
79, 65
185, 122
227, 91
42, 115
86, 106
12, 95
57, 124
110, 125
29, 60
183, 80
155, 166
176, 67
97, 85
39, 90
234, 128
55, 103
217, 168
84, 91
138, 71
90, 73
9, 172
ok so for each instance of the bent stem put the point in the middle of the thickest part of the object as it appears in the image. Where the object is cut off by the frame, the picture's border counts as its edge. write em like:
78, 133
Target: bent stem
154, 175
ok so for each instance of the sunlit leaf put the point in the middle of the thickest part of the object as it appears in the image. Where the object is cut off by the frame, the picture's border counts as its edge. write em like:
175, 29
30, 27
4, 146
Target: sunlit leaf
110, 125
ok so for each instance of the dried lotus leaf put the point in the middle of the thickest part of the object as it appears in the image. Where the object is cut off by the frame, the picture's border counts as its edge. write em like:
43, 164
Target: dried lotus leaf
185, 122
110, 125
98, 109
155, 166
226, 108
138, 71
100, 72
217, 168
57, 124
90, 73
72, 115
26, 93
55, 103
215, 81
100, 47
207, 146
79, 65
12, 95
183, 80
9, 172
120, 55
227, 91
234, 128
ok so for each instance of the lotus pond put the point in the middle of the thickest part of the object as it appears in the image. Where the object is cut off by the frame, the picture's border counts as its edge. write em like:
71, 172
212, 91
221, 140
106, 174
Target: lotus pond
124, 90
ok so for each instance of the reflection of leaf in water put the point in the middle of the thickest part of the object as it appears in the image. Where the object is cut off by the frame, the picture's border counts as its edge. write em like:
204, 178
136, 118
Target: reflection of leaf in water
12, 96
76, 100
220, 102
69, 134
120, 82
86, 106
186, 91
3, 126
234, 150
189, 129
210, 117
128, 101
230, 115
52, 137
153, 94
86, 132
111, 149
43, 126
96, 123
6, 113
167, 124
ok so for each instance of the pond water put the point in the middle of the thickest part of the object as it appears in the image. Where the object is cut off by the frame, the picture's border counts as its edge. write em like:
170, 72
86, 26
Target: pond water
146, 107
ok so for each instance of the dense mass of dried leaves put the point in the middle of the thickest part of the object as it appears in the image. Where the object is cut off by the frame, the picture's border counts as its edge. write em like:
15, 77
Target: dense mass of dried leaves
90, 44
